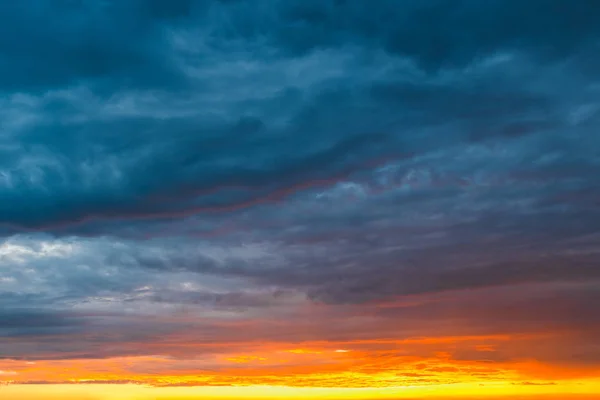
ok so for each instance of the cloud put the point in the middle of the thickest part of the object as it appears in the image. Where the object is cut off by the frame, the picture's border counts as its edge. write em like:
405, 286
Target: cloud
16, 322
82, 41
229, 167
168, 152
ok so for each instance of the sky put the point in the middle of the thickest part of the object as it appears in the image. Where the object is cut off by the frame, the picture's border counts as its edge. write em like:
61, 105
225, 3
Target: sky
328, 199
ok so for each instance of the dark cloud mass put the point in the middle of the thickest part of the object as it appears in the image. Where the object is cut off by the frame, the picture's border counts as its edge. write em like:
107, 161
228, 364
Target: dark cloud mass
244, 159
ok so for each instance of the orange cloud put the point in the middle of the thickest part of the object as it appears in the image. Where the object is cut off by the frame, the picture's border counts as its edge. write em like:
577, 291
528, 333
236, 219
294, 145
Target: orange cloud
415, 362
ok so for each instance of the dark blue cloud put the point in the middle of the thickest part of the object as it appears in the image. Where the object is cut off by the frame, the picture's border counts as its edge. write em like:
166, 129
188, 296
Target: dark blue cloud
436, 33
49, 44
275, 95
23, 322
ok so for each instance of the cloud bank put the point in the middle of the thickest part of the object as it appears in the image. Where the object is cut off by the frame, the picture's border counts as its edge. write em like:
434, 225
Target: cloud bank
355, 171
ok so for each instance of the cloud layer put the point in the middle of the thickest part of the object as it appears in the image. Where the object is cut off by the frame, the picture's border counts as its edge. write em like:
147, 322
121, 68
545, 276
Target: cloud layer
309, 171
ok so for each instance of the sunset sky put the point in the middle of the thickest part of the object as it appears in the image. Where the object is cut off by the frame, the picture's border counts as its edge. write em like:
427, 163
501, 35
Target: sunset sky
299, 199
